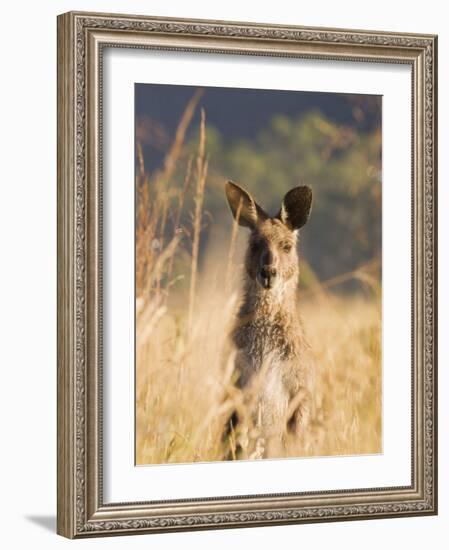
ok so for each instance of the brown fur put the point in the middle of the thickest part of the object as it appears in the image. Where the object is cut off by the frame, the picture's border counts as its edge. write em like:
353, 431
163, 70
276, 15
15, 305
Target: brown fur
273, 357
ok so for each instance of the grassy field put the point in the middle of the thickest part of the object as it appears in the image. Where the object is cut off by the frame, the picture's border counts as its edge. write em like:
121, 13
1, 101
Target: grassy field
183, 381
184, 311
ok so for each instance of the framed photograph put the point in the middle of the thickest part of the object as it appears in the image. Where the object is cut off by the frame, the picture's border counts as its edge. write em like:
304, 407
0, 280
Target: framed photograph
247, 274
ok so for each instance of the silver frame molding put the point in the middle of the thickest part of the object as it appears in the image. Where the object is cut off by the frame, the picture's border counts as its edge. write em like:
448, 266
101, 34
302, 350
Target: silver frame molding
81, 39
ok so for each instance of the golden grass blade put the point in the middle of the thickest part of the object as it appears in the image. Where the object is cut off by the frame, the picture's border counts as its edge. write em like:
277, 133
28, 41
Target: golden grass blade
174, 153
230, 266
199, 199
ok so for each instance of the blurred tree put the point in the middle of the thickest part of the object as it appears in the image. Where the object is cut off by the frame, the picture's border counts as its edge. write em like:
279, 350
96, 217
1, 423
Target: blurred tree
342, 164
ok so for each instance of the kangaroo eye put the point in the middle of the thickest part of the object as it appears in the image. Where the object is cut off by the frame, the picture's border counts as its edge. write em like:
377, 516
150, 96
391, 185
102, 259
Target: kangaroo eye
287, 247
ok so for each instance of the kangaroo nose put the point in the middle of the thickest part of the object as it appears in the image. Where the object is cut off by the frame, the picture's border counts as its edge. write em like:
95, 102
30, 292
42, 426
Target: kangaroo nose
268, 271
267, 274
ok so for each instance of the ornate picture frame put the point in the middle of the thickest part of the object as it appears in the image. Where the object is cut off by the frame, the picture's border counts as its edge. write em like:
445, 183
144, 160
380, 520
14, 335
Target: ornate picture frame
82, 39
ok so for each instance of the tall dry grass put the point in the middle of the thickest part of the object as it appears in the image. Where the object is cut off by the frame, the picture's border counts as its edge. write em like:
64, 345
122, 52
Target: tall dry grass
184, 363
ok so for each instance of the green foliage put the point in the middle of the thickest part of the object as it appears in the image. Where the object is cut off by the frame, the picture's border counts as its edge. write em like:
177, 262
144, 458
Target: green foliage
341, 163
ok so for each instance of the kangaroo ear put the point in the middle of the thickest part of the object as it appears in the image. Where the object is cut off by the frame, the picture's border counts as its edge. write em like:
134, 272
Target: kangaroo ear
244, 208
296, 206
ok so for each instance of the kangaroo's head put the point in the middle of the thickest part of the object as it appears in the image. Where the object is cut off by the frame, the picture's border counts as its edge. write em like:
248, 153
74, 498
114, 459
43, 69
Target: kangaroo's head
271, 258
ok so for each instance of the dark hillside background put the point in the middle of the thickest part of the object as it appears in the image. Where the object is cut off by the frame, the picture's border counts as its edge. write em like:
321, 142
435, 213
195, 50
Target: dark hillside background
269, 141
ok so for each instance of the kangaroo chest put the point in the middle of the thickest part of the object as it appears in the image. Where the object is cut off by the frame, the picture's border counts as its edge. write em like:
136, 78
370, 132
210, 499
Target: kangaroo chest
273, 338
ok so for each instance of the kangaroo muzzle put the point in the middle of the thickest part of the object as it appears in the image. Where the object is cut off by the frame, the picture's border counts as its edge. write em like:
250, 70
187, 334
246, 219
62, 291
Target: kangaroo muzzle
267, 276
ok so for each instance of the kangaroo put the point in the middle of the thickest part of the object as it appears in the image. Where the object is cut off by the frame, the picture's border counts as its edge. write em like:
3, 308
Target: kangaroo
273, 359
